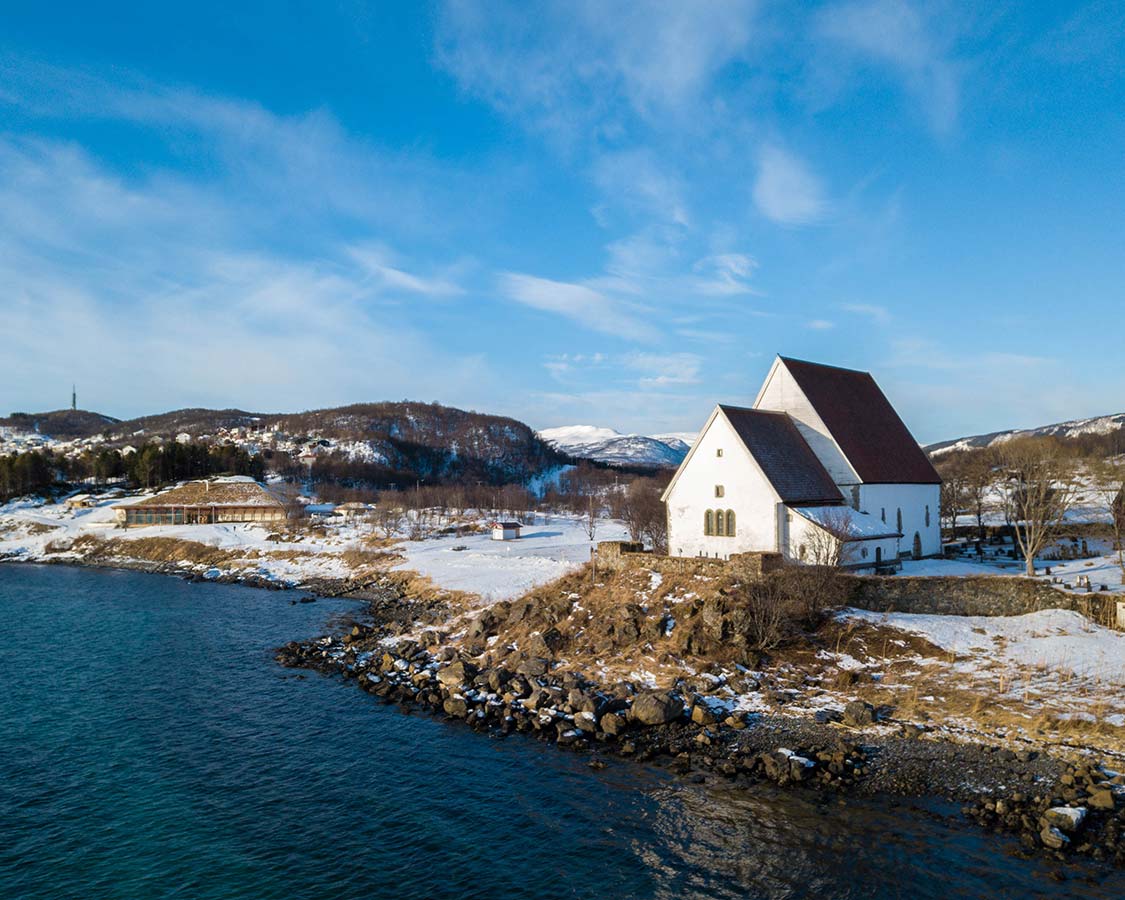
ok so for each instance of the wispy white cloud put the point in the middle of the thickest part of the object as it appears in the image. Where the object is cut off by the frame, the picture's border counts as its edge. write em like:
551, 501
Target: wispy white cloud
584, 67
898, 34
725, 274
820, 325
155, 277
376, 261
785, 190
586, 307
878, 314
661, 370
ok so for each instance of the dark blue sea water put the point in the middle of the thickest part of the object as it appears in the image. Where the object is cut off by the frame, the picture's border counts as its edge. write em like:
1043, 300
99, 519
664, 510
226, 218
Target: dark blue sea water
151, 748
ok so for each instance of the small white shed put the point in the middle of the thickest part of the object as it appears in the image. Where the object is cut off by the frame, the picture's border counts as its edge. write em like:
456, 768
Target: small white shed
505, 531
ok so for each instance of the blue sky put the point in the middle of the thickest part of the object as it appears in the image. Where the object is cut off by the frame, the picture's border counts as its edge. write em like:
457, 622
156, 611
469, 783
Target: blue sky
579, 212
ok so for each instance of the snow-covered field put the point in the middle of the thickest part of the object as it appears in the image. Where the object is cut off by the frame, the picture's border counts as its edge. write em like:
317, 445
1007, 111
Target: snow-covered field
1058, 640
1103, 569
548, 548
34, 531
501, 570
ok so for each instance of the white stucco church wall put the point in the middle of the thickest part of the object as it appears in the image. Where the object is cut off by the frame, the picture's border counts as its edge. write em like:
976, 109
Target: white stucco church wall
917, 502
866, 436
746, 491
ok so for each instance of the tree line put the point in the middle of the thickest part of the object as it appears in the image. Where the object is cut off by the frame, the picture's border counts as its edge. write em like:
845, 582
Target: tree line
38, 472
1035, 482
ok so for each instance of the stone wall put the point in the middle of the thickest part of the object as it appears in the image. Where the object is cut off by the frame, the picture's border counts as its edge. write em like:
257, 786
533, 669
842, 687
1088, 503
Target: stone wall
987, 595
623, 554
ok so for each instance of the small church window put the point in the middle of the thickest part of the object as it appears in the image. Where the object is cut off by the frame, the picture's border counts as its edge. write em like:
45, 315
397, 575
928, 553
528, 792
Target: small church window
883, 515
720, 523
863, 552
899, 519
708, 522
927, 515
719, 451
730, 523
720, 491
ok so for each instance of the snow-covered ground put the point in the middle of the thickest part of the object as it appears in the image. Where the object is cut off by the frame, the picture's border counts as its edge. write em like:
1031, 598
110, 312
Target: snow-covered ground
1057, 640
1102, 570
953, 567
549, 548
501, 570
37, 531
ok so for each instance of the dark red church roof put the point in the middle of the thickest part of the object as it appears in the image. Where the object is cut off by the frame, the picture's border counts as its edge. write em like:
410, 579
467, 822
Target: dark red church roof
784, 456
862, 421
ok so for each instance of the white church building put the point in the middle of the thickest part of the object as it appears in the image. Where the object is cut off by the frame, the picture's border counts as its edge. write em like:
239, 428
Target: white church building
821, 454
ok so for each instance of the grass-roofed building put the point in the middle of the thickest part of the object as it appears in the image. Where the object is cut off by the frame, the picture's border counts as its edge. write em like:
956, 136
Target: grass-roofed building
204, 503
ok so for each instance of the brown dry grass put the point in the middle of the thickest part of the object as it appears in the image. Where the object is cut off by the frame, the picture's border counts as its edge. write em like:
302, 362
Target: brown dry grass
40, 528
154, 549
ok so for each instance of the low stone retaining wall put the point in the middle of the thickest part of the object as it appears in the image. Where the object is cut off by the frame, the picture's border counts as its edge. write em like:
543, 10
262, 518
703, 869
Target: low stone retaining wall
623, 554
986, 595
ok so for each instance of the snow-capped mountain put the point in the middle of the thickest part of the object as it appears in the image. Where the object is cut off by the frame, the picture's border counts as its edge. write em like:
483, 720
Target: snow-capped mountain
1073, 428
609, 446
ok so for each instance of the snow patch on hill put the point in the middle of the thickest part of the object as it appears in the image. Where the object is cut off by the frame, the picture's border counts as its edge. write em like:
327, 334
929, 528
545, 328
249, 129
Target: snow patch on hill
609, 446
1073, 428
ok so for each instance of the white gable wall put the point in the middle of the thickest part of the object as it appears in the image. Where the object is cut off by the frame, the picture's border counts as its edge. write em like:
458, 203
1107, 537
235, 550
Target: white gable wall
782, 394
912, 499
746, 491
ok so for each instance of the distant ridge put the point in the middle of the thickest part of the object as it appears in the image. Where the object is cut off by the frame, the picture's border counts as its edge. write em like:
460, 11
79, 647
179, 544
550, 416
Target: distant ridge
399, 442
608, 446
62, 424
1099, 425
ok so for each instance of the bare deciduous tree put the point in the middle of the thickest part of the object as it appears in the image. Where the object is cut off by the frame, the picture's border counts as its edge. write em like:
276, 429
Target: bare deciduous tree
1109, 480
953, 492
979, 472
590, 519
830, 544
388, 518
643, 513
1038, 489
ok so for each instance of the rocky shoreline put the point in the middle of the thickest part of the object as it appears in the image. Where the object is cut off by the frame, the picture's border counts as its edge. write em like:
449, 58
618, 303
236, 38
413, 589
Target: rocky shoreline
1053, 807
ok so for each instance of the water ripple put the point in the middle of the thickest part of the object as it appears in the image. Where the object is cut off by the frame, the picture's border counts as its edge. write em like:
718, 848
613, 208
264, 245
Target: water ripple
150, 748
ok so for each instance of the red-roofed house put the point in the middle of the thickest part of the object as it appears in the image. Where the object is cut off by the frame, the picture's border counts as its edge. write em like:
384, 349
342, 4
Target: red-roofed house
821, 450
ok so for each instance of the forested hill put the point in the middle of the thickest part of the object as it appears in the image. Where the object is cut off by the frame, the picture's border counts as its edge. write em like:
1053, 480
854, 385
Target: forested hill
400, 442
62, 424
425, 439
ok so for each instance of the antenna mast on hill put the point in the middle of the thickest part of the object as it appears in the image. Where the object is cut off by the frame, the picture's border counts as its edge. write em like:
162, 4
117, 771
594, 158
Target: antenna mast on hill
73, 397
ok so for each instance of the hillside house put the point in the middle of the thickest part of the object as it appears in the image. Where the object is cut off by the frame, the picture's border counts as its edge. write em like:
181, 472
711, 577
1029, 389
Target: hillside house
822, 459
205, 503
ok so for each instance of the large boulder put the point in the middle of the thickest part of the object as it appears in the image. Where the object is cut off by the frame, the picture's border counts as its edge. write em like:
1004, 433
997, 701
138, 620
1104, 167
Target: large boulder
533, 667
457, 674
613, 724
1067, 819
858, 714
656, 708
